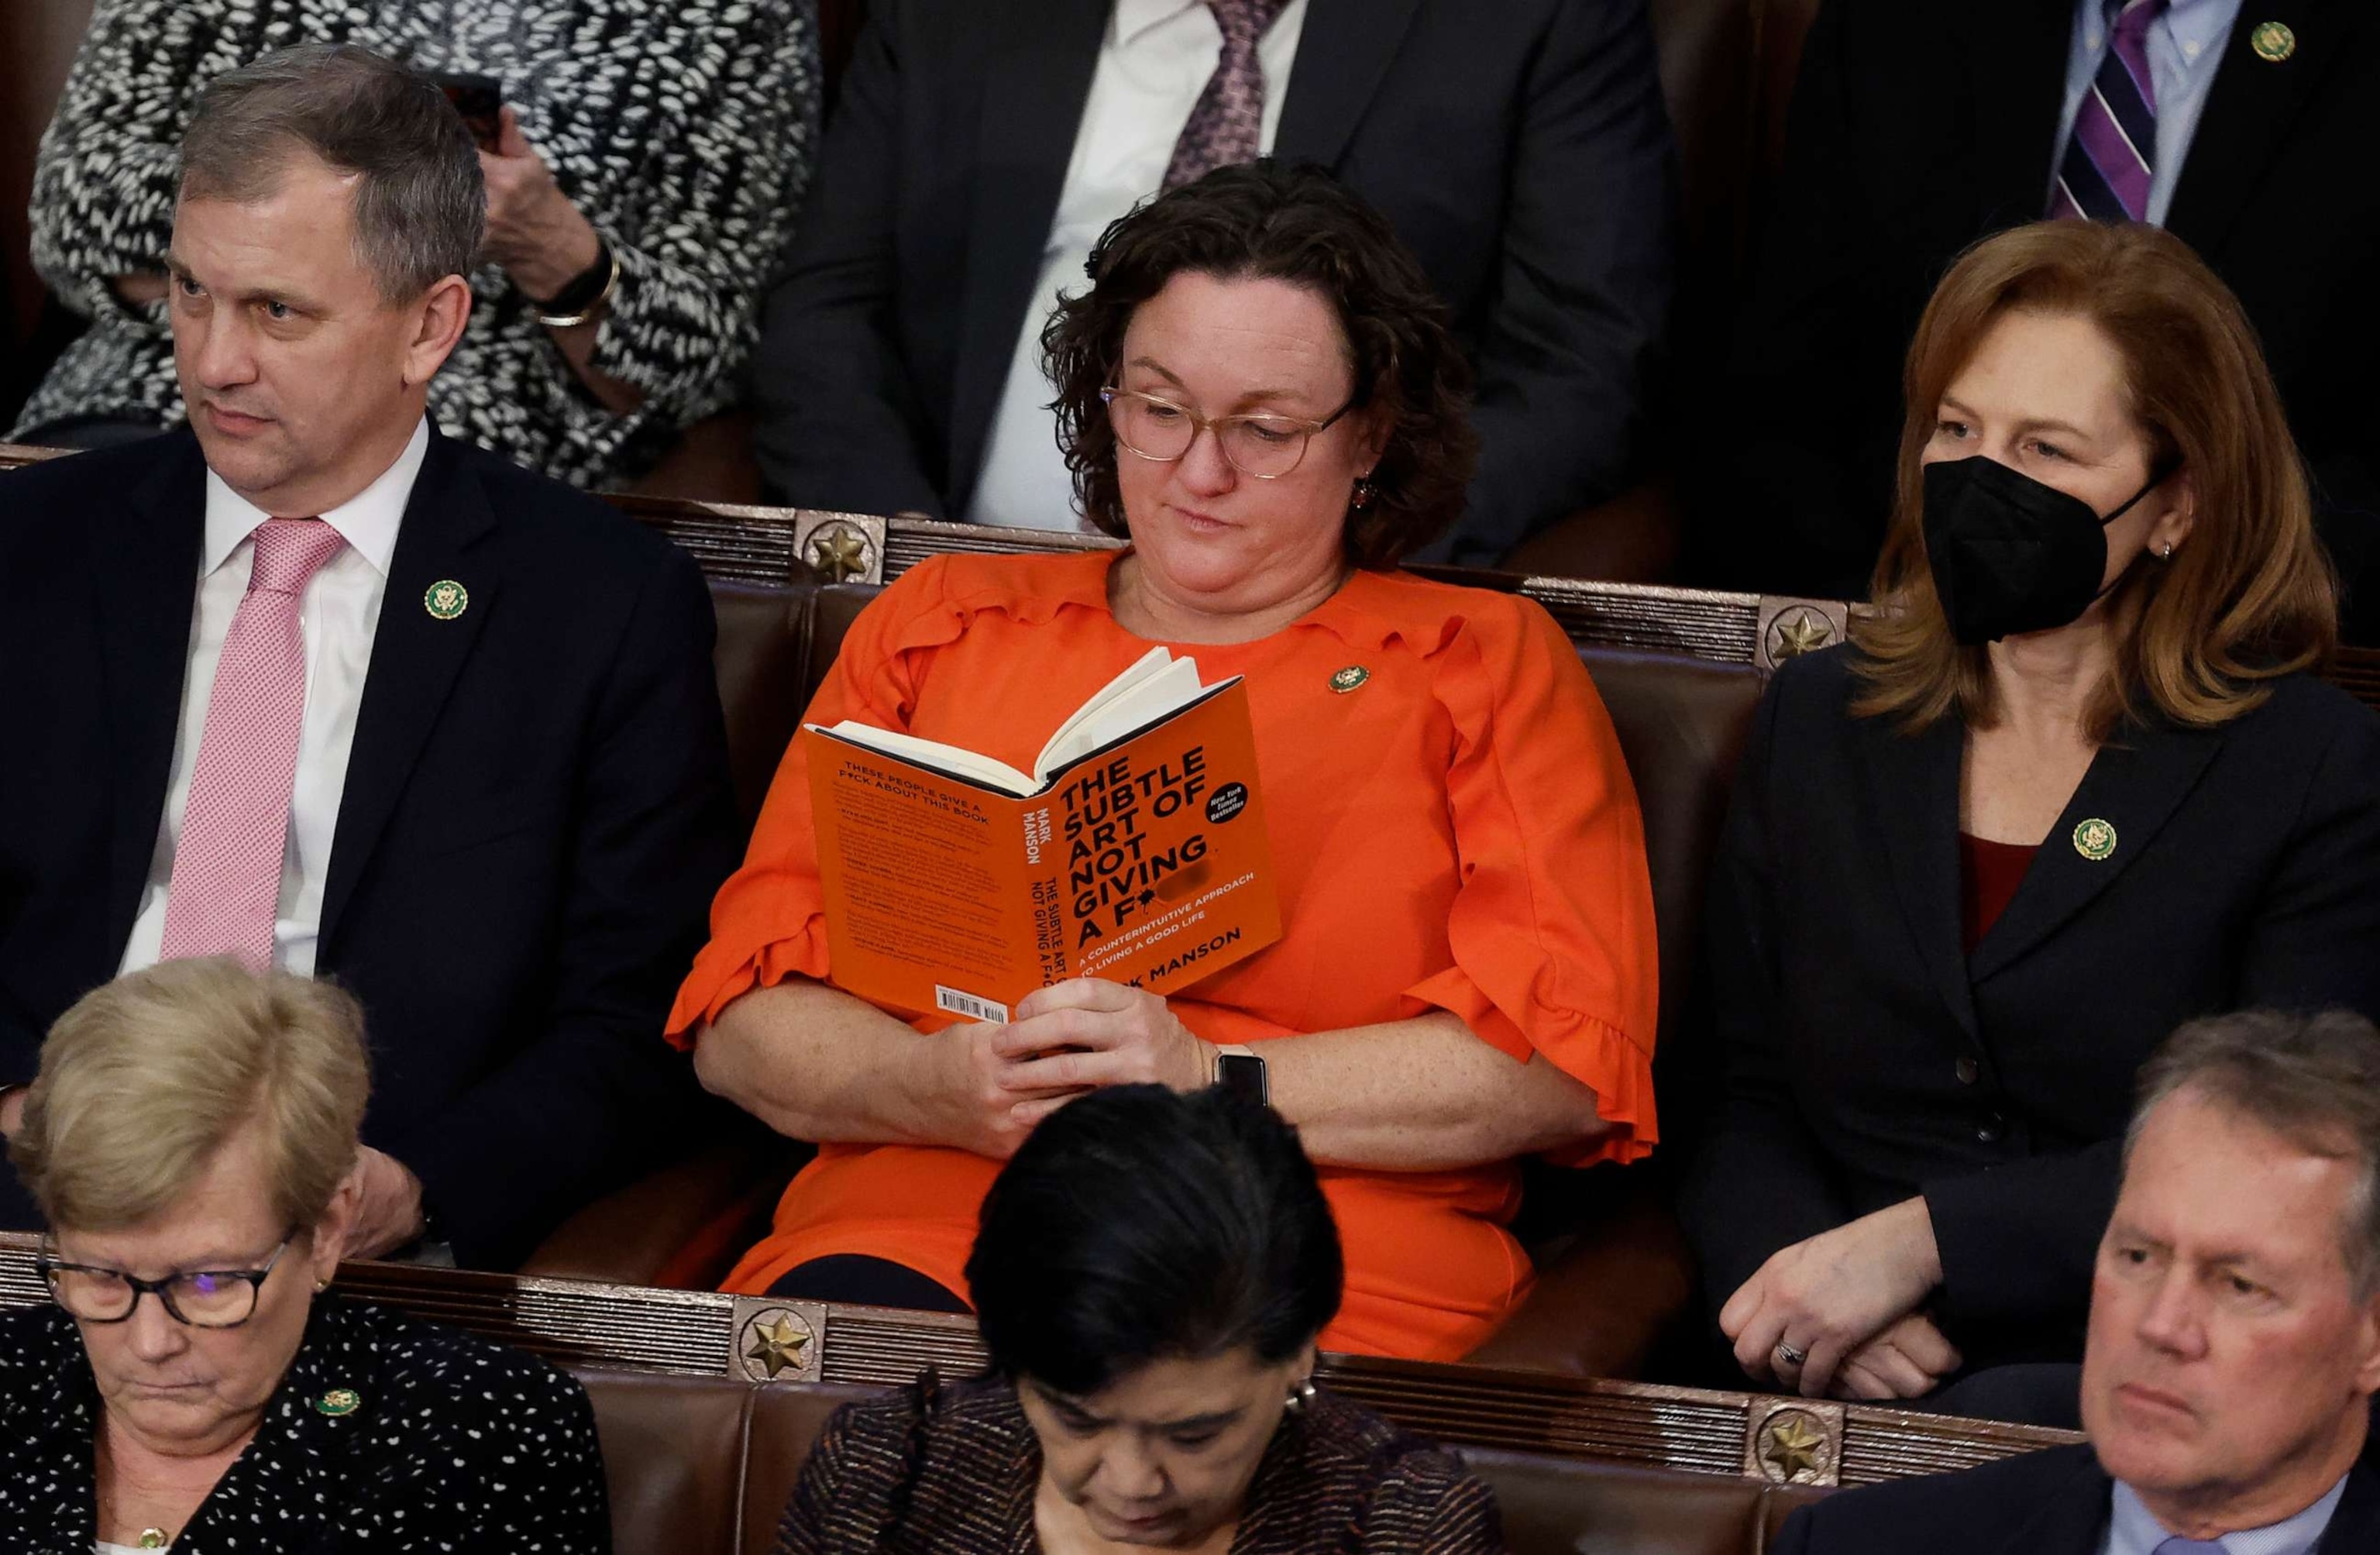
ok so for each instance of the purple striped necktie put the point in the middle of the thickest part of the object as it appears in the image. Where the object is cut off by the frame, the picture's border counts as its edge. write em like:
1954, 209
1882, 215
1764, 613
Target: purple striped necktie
1227, 126
2111, 157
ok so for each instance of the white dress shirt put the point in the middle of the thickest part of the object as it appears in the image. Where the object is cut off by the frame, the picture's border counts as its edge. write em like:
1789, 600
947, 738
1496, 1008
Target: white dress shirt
338, 615
1154, 63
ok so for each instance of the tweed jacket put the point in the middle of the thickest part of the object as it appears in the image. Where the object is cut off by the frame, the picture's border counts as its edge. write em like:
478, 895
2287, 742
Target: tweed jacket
680, 129
952, 1470
385, 1434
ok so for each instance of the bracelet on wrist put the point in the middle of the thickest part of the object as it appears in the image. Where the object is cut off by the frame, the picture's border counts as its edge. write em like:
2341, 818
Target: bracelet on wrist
579, 301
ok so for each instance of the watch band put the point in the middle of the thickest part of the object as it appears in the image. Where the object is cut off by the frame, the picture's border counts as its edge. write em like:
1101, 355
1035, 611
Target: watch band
1240, 1070
586, 295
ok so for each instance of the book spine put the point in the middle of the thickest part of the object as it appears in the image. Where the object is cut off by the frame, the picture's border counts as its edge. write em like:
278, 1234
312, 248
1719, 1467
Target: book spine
1045, 885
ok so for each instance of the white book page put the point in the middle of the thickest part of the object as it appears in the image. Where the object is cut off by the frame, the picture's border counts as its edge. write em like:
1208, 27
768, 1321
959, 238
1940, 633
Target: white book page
933, 754
1145, 702
1151, 663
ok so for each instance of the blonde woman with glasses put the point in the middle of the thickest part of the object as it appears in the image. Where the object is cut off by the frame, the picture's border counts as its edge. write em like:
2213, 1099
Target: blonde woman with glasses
191, 1140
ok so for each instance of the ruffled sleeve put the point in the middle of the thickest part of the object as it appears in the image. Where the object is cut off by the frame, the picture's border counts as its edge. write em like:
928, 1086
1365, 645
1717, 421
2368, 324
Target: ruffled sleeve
768, 921
1552, 928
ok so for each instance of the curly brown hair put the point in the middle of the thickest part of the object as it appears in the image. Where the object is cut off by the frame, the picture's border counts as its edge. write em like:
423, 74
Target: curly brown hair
1262, 221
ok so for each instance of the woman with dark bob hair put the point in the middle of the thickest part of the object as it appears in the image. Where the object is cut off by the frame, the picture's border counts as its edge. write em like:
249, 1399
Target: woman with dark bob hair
2072, 785
1261, 395
1150, 1274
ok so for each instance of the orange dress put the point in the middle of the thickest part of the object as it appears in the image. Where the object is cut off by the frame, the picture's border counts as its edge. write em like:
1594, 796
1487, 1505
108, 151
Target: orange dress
1458, 832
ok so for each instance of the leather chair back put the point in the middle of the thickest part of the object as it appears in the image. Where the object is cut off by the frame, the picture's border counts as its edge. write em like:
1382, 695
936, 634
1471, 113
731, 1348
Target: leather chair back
763, 660
703, 1465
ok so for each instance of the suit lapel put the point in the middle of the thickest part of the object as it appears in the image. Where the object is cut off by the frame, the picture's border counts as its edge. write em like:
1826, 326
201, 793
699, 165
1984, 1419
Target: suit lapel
2355, 1526
414, 659
2250, 110
2070, 1516
2134, 784
1035, 88
2017, 50
1915, 798
147, 592
1342, 56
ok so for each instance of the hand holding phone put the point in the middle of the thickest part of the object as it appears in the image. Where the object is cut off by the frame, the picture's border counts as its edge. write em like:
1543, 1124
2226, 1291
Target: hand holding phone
481, 100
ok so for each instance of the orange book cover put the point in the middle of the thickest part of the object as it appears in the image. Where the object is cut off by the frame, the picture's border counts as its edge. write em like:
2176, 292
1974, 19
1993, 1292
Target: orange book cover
956, 884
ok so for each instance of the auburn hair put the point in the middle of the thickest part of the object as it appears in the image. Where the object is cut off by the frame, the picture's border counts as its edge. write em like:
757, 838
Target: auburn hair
2198, 638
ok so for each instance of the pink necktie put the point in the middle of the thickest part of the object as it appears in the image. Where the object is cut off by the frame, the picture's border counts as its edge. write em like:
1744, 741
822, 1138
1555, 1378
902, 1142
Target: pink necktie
226, 887
1227, 126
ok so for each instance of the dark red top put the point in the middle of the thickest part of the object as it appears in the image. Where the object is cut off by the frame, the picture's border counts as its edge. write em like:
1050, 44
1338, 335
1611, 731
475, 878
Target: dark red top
1989, 876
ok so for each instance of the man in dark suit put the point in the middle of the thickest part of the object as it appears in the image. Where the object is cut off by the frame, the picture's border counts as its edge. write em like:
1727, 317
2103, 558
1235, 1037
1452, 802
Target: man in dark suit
1522, 150
2234, 1347
1919, 126
307, 684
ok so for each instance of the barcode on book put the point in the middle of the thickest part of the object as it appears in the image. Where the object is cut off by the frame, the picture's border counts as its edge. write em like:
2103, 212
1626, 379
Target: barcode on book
954, 1002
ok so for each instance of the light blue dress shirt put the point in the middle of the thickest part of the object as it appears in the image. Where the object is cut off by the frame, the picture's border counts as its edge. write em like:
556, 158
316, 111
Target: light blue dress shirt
2132, 1531
2185, 49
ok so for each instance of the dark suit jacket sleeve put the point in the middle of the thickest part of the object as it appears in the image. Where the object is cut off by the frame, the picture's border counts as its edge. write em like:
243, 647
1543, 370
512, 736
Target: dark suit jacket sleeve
1583, 291
1761, 1182
2017, 1242
594, 1093
837, 419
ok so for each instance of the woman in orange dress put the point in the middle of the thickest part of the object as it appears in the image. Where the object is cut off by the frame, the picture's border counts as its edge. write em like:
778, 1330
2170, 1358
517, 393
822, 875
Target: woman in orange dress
1261, 394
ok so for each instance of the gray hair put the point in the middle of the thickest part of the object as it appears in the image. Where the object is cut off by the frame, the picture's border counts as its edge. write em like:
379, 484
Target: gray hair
2313, 1080
421, 201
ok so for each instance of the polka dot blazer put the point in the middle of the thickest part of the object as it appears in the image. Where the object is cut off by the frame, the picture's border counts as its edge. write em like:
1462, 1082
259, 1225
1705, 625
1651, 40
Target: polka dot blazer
386, 1434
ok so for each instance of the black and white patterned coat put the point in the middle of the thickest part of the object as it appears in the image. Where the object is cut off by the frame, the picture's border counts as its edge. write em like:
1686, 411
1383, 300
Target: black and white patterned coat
682, 129
451, 1444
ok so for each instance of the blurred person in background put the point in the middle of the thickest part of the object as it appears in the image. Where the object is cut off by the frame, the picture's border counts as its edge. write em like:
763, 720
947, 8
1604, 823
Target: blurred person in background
1520, 149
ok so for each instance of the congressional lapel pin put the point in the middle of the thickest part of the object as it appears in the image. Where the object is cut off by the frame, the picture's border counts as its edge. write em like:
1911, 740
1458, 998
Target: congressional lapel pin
338, 1402
2272, 41
446, 600
2096, 840
1347, 680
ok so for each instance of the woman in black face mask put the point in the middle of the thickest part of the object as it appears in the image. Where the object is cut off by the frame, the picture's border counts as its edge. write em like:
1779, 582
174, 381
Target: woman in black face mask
2073, 785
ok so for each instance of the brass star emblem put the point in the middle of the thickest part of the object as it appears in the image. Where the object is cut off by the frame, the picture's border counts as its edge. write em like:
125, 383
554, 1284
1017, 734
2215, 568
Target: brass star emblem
840, 552
1801, 633
779, 1345
1794, 1446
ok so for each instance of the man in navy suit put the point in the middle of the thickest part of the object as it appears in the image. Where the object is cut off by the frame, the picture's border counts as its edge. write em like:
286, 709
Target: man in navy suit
2234, 1346
306, 684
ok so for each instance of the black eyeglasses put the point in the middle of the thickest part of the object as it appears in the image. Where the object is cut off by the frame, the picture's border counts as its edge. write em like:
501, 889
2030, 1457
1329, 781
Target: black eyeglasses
1262, 445
202, 1298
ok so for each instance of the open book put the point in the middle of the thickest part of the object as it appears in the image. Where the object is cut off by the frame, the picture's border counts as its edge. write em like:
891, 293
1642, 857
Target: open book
1135, 850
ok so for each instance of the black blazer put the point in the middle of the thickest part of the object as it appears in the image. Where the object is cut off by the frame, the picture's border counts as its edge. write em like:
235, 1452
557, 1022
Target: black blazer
1522, 150
536, 814
1867, 1059
451, 1443
2051, 1502
1919, 126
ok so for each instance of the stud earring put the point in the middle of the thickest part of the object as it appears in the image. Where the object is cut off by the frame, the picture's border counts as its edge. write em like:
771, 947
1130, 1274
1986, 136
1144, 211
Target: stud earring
2166, 555
1365, 492
1300, 1395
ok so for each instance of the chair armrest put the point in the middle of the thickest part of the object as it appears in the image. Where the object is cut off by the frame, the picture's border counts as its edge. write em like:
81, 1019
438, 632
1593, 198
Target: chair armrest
1609, 1288
682, 1228
1634, 538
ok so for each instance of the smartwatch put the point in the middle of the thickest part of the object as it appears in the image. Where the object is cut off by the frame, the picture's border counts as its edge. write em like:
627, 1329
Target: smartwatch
1239, 1071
